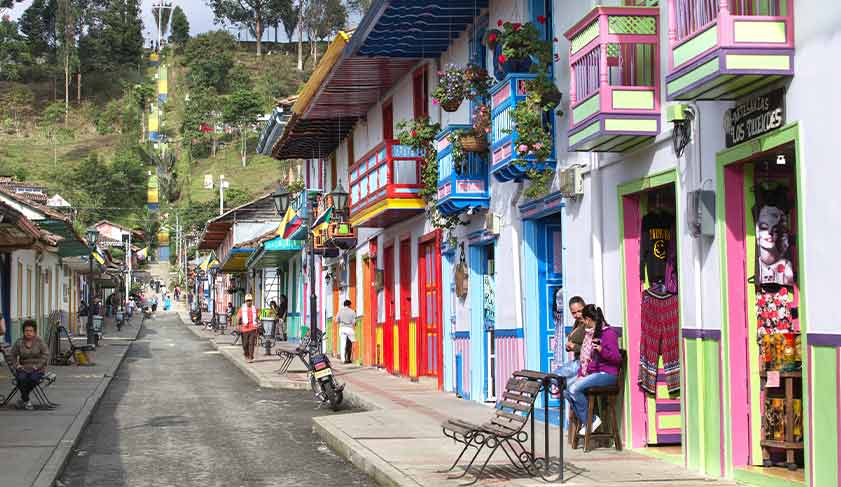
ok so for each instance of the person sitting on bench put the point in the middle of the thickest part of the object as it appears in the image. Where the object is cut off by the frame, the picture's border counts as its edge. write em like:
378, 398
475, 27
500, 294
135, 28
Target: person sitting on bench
29, 357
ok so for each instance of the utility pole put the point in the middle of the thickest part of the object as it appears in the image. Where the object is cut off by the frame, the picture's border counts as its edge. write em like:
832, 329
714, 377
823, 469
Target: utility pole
222, 185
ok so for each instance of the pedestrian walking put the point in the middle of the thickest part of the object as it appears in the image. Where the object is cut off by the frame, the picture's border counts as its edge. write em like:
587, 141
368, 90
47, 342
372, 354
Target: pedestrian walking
247, 324
347, 330
281, 311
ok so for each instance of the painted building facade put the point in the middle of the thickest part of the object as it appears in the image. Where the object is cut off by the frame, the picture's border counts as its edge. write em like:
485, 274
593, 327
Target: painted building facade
699, 142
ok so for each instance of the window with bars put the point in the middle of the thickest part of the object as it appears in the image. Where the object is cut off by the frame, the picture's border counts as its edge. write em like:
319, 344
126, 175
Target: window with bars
630, 64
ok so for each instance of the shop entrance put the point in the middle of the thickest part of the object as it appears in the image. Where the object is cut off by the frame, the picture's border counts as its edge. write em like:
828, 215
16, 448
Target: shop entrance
405, 305
652, 331
763, 295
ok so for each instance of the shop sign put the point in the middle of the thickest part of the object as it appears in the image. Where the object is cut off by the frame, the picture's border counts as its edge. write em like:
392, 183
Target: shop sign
754, 117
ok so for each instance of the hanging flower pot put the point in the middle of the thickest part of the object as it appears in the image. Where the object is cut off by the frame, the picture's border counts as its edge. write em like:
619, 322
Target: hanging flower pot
523, 48
450, 91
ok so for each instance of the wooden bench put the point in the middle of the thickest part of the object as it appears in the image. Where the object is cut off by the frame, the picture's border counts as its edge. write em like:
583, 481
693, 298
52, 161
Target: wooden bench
505, 429
610, 397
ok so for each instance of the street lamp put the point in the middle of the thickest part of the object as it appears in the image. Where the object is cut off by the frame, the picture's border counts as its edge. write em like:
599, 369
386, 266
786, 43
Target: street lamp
339, 197
281, 199
91, 235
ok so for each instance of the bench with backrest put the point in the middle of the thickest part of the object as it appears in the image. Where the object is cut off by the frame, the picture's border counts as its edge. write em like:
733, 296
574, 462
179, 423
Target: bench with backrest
288, 351
504, 430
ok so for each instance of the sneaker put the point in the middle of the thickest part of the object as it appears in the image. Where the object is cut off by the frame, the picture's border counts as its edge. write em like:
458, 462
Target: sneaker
596, 423
28, 406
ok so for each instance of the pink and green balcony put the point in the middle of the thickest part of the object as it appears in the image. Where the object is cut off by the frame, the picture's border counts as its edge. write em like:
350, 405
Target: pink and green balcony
614, 79
726, 49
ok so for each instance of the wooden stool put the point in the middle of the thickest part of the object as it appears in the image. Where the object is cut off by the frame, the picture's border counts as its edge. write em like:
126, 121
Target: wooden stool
610, 397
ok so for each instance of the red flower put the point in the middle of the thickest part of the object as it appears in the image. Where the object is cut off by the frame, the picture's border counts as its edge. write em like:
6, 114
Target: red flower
499, 23
781, 268
492, 37
517, 26
541, 19
783, 291
414, 133
502, 58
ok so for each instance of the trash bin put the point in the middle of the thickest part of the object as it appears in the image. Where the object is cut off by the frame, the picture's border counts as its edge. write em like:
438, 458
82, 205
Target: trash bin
222, 320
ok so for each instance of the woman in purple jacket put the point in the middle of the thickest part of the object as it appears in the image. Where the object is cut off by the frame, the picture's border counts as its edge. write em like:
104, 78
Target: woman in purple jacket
600, 360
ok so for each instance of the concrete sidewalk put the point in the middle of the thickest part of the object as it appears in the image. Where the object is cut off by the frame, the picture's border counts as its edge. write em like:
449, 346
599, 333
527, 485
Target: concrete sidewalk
398, 439
35, 445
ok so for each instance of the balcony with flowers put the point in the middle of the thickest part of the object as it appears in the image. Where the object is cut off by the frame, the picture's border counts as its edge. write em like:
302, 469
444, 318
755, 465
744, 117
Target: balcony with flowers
385, 185
462, 170
332, 231
726, 49
523, 102
614, 79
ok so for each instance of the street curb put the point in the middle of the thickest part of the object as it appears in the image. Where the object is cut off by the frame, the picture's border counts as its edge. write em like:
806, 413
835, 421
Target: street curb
382, 472
61, 454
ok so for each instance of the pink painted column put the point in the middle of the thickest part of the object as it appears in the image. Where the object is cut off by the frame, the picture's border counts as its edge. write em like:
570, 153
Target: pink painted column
736, 314
632, 221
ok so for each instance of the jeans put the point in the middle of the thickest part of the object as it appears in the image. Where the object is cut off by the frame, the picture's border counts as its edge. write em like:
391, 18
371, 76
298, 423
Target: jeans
249, 342
569, 371
27, 381
575, 393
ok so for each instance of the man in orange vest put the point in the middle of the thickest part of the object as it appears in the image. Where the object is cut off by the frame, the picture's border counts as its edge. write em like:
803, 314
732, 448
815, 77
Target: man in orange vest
247, 323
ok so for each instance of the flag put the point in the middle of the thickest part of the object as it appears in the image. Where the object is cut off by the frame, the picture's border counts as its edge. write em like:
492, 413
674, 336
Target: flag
98, 256
143, 254
290, 224
323, 220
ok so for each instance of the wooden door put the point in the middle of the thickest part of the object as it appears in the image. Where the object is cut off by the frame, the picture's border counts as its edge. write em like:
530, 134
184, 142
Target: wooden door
351, 295
388, 120
388, 327
368, 316
429, 336
405, 304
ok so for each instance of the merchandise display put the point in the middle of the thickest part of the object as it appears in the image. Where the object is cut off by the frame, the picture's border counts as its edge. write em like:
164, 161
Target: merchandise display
660, 327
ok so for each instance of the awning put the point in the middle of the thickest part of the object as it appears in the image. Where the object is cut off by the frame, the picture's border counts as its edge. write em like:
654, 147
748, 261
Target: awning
236, 260
275, 253
355, 72
260, 209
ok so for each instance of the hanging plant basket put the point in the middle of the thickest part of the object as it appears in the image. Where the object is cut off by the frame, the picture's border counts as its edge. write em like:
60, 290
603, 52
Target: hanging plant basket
451, 105
472, 143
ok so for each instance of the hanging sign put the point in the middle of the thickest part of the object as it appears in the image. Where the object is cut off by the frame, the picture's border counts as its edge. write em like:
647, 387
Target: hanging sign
754, 117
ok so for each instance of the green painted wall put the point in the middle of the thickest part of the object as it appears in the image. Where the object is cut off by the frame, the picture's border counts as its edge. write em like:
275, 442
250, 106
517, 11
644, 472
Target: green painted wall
701, 406
824, 372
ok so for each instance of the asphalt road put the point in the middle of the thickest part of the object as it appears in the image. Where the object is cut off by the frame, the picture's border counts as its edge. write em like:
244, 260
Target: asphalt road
178, 414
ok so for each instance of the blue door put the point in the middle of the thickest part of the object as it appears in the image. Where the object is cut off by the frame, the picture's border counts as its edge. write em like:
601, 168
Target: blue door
550, 287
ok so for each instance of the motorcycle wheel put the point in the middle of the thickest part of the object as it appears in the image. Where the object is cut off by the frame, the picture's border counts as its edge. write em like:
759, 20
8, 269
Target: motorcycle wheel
335, 397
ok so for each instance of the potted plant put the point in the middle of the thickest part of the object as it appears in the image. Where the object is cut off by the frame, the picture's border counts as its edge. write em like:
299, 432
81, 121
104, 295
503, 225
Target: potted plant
457, 150
476, 140
419, 134
550, 96
450, 91
477, 82
523, 48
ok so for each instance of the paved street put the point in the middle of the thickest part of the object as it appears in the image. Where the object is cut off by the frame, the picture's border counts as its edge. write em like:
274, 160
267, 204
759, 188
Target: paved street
176, 414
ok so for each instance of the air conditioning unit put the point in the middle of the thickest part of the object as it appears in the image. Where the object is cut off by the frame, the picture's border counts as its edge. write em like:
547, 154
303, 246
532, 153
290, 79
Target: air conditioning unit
571, 184
493, 223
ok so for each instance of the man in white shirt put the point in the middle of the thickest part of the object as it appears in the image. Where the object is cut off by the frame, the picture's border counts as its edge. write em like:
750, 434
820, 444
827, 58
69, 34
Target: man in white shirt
347, 330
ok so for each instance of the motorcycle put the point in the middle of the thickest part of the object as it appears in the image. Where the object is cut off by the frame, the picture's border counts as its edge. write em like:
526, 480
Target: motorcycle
322, 381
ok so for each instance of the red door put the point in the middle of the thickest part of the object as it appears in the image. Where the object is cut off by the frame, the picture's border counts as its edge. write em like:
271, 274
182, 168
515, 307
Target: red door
405, 303
388, 326
429, 330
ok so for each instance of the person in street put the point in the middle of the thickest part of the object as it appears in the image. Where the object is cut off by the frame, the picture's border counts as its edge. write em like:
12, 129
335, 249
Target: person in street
167, 302
569, 370
281, 314
347, 330
600, 361
247, 322
29, 357
230, 313
130, 307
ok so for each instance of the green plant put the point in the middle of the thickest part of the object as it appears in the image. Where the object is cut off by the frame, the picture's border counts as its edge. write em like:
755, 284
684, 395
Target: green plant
477, 82
482, 121
451, 86
522, 41
457, 149
550, 96
533, 137
541, 183
296, 186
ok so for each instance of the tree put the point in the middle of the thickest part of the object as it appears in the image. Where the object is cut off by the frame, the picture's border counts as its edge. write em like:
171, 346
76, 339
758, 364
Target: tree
38, 25
142, 94
241, 110
359, 6
179, 29
51, 121
16, 102
66, 34
14, 54
210, 56
256, 14
323, 18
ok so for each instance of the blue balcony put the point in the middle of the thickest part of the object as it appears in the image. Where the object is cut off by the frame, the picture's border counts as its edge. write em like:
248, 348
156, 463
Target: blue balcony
459, 190
506, 163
